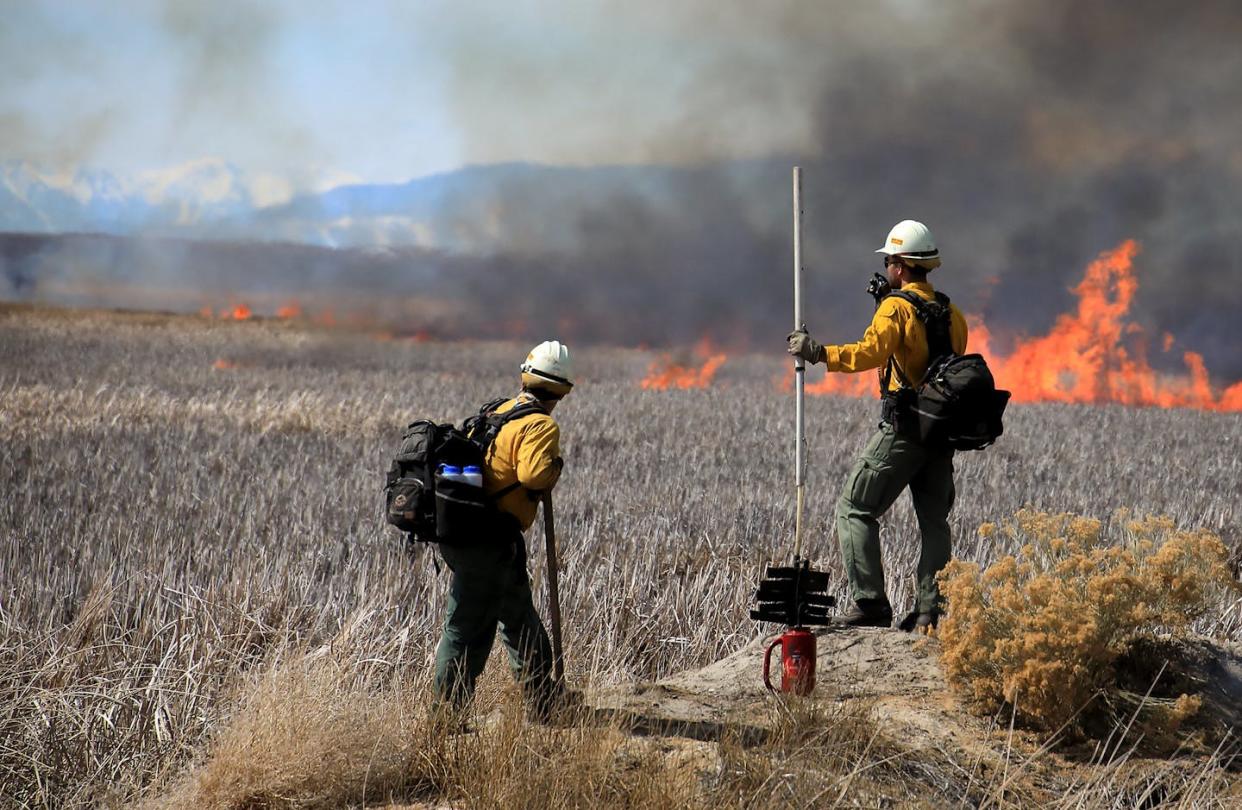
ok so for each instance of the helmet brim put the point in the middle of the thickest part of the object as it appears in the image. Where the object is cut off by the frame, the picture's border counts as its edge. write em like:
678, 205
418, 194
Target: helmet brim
536, 380
889, 250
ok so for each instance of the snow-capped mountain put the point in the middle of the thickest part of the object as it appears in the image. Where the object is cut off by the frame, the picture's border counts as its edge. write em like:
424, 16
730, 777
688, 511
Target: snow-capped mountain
474, 209
184, 199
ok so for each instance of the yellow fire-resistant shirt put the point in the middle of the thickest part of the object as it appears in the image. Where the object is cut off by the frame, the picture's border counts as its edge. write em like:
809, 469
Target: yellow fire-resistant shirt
525, 451
896, 332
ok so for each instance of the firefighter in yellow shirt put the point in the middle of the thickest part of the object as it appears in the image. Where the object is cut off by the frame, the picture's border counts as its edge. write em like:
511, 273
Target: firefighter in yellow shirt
894, 459
490, 587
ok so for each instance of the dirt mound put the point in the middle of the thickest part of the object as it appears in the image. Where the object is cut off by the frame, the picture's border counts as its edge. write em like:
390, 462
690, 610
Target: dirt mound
884, 727
898, 675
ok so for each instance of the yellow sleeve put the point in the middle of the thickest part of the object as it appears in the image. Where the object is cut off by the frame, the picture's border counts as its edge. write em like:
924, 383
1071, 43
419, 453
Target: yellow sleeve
879, 342
537, 451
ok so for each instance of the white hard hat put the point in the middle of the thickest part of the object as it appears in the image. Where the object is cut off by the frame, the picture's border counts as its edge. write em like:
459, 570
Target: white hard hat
548, 368
912, 240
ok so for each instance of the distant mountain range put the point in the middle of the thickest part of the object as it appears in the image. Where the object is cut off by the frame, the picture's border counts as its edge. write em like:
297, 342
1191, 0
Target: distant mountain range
478, 208
195, 195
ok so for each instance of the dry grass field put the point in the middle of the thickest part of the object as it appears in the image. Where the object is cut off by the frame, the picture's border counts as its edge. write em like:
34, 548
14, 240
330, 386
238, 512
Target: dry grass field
195, 576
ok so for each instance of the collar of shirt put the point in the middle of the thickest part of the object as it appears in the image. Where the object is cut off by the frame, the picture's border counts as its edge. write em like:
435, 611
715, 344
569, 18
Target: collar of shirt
924, 287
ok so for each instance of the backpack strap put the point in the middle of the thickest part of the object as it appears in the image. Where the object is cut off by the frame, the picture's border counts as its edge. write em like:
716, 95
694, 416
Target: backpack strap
489, 423
493, 422
936, 320
503, 491
492, 404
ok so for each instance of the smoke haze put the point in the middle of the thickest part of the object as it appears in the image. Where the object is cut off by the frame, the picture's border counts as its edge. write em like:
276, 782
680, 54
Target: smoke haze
1029, 136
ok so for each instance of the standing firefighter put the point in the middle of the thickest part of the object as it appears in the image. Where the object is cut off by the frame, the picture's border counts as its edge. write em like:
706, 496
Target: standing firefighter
490, 586
896, 342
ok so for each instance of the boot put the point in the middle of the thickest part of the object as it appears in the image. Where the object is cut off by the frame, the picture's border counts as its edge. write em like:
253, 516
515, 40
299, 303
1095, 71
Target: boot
561, 707
922, 623
866, 613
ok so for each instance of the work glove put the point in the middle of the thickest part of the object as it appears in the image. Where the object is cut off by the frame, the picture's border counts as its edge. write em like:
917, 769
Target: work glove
801, 344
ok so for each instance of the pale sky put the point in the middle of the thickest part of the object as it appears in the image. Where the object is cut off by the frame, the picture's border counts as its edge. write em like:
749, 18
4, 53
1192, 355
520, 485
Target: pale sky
393, 90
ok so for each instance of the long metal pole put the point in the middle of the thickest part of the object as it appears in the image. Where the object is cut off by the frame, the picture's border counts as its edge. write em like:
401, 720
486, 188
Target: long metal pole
554, 596
799, 365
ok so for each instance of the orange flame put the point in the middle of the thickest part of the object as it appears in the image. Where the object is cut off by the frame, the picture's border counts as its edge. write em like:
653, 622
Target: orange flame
665, 373
1085, 358
290, 310
854, 385
240, 312
222, 364
845, 385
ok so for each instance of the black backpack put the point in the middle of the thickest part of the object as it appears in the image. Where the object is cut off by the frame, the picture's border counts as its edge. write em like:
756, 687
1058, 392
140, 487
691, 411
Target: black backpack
957, 403
433, 510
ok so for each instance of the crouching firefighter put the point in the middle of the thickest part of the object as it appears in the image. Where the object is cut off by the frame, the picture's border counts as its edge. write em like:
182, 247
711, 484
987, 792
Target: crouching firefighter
490, 587
897, 342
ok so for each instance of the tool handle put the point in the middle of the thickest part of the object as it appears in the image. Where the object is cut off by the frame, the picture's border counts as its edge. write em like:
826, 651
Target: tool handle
767, 664
554, 597
799, 366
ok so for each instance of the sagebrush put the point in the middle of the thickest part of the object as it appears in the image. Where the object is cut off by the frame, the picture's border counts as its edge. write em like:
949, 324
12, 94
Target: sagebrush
1041, 631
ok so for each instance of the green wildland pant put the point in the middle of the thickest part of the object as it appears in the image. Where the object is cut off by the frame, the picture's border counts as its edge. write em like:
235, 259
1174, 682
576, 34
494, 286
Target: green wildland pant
490, 587
889, 463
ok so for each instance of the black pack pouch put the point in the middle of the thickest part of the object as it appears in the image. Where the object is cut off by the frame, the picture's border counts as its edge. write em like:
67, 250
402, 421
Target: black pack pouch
404, 497
408, 502
959, 405
465, 514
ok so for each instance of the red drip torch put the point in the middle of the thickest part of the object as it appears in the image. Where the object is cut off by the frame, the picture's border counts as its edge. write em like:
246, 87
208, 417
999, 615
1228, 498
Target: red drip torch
795, 595
797, 661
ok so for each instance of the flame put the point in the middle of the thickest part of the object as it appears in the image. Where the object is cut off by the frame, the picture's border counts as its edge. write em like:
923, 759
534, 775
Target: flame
418, 336
665, 373
846, 385
1085, 357
1092, 355
1231, 399
290, 310
222, 364
240, 312
854, 385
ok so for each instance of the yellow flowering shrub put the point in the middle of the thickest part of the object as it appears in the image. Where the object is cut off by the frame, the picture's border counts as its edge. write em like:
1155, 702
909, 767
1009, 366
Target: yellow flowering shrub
1041, 631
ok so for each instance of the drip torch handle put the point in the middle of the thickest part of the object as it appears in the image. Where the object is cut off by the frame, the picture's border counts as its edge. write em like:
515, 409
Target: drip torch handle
799, 366
767, 664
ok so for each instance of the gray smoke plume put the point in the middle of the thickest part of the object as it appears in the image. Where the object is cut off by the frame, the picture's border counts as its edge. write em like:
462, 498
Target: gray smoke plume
1029, 136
